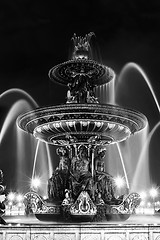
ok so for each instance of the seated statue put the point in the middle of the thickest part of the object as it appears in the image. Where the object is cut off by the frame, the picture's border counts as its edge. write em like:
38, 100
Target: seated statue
104, 186
80, 175
104, 183
59, 180
75, 175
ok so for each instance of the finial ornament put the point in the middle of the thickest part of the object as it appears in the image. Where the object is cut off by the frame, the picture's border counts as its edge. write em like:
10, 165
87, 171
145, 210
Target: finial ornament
81, 73
82, 46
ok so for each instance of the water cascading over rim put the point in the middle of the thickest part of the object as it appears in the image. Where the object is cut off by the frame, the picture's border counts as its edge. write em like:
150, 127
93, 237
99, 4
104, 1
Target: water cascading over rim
82, 120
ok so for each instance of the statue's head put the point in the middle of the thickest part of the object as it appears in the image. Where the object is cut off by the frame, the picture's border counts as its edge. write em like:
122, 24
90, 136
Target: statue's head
61, 151
83, 151
101, 152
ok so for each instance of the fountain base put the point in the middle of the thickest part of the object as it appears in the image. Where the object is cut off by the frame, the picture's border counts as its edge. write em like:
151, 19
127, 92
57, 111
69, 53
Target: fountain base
136, 227
82, 210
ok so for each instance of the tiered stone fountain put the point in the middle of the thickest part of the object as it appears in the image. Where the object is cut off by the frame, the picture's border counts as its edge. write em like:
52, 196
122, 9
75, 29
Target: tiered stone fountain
80, 189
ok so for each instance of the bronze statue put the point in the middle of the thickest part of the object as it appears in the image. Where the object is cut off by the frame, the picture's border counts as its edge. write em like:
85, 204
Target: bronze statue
2, 199
74, 176
59, 180
80, 175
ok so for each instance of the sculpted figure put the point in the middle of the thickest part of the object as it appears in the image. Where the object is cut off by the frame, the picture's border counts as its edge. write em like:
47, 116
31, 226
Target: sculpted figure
2, 199
80, 175
104, 183
59, 180
99, 160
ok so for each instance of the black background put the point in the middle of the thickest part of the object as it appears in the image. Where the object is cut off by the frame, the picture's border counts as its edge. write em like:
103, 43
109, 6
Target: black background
35, 35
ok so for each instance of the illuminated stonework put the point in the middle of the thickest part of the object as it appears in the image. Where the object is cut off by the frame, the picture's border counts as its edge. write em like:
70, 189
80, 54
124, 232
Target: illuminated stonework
97, 74
82, 118
79, 187
104, 124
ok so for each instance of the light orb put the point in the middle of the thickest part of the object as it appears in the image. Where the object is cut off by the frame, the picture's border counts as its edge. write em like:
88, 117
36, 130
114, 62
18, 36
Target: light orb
119, 181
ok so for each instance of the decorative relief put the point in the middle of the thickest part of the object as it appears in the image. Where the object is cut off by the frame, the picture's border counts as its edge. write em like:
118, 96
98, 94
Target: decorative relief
140, 237
90, 236
157, 238
64, 236
40, 237
115, 238
78, 234
15, 237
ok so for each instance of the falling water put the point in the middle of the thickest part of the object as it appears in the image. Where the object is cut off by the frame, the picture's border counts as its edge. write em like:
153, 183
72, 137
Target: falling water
133, 65
17, 162
134, 160
50, 167
11, 116
16, 109
9, 150
41, 167
123, 166
138, 174
141, 170
25, 150
35, 159
18, 91
105, 92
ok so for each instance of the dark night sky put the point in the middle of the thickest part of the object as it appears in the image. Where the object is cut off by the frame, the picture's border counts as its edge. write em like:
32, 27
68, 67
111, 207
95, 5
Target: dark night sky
35, 35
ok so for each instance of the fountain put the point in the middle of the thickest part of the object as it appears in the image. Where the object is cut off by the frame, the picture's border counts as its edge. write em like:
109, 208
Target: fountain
80, 188
92, 142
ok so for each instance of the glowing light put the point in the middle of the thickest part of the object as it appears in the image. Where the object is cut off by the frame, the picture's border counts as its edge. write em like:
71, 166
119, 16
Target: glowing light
11, 196
153, 192
143, 195
142, 203
19, 204
119, 181
158, 203
148, 204
35, 183
19, 198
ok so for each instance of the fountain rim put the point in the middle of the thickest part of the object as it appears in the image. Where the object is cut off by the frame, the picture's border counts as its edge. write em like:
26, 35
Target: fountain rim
78, 105
134, 116
104, 75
